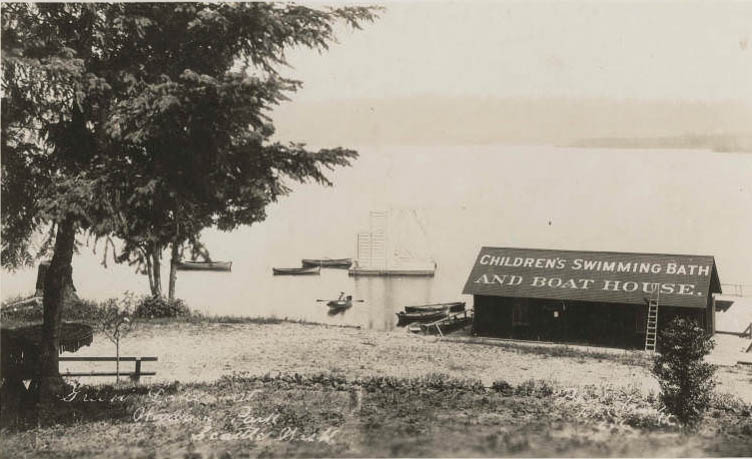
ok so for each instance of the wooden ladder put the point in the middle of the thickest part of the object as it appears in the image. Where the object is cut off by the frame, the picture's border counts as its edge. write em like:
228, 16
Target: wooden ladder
651, 333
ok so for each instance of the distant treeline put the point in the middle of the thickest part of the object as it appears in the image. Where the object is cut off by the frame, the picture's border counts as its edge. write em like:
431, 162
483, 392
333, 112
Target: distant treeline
446, 120
719, 143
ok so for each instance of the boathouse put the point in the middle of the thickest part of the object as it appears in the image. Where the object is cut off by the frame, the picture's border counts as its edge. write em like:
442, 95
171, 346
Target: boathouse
601, 298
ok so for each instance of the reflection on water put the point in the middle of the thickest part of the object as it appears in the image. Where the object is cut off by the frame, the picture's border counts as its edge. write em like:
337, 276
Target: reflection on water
376, 300
337, 311
391, 294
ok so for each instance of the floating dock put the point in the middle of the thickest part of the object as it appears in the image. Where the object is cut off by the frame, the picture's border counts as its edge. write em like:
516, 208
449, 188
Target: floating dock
391, 272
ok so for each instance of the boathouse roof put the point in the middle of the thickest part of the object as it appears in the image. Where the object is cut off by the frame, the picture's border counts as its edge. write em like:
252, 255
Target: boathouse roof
607, 277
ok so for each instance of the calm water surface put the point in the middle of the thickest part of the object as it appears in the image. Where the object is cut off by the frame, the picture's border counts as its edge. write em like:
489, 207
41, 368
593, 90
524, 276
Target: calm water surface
692, 202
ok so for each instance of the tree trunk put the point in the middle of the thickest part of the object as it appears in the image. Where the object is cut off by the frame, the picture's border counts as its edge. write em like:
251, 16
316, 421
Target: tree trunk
149, 272
58, 280
69, 290
174, 260
156, 263
117, 360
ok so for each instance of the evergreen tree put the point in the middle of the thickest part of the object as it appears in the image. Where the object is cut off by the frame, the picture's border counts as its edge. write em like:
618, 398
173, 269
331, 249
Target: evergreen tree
147, 122
685, 378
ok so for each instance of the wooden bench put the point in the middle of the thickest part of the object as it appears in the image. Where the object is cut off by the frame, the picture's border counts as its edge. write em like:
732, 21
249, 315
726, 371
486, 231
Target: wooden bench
747, 332
135, 376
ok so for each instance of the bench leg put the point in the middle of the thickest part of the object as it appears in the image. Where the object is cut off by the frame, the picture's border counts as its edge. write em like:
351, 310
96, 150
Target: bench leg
137, 374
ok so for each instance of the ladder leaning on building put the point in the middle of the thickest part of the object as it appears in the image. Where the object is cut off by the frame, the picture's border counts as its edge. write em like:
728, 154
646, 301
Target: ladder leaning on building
651, 333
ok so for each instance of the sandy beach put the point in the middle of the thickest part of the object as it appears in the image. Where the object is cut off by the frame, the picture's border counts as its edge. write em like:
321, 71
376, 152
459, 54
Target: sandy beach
202, 352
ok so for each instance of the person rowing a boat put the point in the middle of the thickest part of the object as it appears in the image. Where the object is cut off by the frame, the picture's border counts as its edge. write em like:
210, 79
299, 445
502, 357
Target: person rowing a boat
342, 301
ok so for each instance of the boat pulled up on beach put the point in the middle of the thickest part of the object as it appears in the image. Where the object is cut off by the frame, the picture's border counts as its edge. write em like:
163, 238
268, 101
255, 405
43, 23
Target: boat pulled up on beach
404, 318
455, 306
343, 263
428, 312
296, 271
452, 322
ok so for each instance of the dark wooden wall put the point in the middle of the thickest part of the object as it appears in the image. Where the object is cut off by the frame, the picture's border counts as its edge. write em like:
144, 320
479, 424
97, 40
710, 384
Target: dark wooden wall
605, 324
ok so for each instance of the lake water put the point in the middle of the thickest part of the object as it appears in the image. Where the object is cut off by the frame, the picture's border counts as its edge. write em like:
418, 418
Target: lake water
663, 201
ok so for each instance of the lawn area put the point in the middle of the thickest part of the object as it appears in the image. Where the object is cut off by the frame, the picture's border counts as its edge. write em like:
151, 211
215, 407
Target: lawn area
276, 388
325, 415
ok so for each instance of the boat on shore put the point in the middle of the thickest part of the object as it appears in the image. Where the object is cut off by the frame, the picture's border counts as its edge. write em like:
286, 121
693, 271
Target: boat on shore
327, 262
455, 306
204, 266
296, 271
405, 318
448, 324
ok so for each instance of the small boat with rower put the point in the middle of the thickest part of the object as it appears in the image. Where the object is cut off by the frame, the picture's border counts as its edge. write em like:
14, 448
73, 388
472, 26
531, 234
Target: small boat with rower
343, 302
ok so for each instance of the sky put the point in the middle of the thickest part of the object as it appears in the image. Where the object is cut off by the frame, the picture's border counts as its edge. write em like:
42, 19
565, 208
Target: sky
573, 49
485, 72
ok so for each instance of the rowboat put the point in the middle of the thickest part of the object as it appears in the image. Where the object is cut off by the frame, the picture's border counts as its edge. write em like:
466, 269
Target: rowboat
340, 304
426, 316
327, 262
204, 266
295, 271
445, 325
452, 307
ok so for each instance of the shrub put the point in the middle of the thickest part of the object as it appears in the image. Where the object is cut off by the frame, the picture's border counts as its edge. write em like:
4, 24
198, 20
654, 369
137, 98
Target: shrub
80, 310
531, 387
151, 307
686, 380
502, 386
116, 321
731, 403
77, 310
21, 314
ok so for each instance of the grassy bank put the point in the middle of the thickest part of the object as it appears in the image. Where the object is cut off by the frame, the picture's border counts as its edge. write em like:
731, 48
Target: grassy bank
328, 415
87, 312
626, 357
